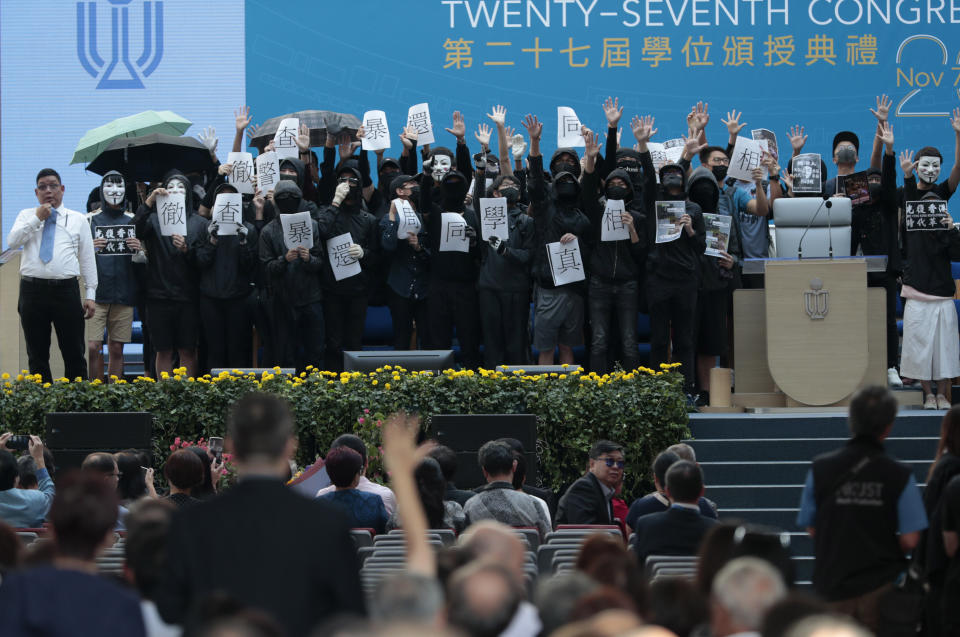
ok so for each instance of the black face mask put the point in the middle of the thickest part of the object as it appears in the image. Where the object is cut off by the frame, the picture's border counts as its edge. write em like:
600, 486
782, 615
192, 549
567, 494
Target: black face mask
566, 190
287, 205
512, 194
704, 196
415, 193
453, 194
618, 192
288, 177
874, 190
672, 180
386, 178
846, 155
719, 172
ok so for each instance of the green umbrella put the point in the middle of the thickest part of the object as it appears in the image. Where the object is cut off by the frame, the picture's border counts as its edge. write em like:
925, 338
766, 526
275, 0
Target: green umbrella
96, 140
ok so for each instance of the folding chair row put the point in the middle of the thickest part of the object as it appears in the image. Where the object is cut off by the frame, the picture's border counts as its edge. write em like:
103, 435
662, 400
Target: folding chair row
447, 536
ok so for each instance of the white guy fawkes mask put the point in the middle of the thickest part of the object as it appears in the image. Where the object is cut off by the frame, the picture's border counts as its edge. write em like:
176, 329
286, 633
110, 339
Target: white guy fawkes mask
928, 169
176, 187
113, 192
441, 166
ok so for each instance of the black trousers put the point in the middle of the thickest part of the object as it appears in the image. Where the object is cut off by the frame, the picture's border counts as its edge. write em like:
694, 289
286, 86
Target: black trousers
260, 309
344, 318
299, 335
893, 339
453, 305
505, 317
403, 313
227, 330
676, 311
605, 300
56, 303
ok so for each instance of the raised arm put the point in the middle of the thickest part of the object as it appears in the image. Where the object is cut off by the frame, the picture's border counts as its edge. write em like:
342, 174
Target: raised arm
797, 139
499, 117
733, 129
882, 113
954, 179
241, 117
536, 185
613, 112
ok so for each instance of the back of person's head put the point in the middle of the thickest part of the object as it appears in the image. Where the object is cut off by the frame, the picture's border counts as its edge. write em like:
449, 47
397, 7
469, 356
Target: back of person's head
218, 614
101, 463
684, 482
601, 447
343, 464
183, 469
556, 597
482, 599
597, 548
11, 548
828, 625
83, 514
663, 461
147, 523
260, 427
48, 462
27, 472
790, 610
767, 543
447, 458
684, 451
603, 599
132, 483
743, 592
244, 624
8, 470
496, 458
351, 442
611, 622
492, 540
407, 597
520, 473
205, 488
432, 487
677, 605
715, 550
872, 411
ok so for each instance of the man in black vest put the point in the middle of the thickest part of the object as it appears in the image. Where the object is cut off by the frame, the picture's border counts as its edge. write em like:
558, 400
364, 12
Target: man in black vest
864, 511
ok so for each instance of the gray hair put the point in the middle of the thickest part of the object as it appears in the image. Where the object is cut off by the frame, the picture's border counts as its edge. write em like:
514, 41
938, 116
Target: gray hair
407, 597
556, 597
837, 625
746, 588
683, 450
482, 599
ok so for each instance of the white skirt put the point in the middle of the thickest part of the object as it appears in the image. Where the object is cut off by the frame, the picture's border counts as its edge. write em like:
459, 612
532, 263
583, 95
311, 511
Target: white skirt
931, 344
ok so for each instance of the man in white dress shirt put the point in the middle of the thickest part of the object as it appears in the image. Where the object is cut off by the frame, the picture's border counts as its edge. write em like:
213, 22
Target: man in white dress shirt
57, 248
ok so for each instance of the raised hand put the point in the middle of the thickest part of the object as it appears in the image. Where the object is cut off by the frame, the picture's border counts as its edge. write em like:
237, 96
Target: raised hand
225, 169
642, 128
533, 126
613, 111
459, 129
499, 115
882, 111
517, 146
591, 142
787, 179
906, 162
702, 115
241, 117
692, 146
345, 148
797, 138
955, 121
209, 139
733, 123
885, 133
303, 138
483, 135
408, 136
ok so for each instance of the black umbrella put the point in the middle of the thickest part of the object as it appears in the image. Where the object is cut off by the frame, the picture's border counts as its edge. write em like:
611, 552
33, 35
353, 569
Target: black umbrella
149, 157
319, 122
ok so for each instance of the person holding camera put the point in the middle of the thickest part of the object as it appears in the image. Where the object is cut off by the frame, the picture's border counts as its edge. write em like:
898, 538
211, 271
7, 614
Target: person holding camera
23, 508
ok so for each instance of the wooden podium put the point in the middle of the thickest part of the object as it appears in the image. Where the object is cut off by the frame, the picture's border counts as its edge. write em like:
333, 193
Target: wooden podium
813, 336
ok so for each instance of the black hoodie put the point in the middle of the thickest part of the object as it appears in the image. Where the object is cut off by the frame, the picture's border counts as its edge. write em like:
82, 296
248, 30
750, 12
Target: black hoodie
553, 217
116, 278
676, 262
510, 271
301, 170
612, 261
363, 228
713, 277
449, 266
170, 273
227, 269
875, 223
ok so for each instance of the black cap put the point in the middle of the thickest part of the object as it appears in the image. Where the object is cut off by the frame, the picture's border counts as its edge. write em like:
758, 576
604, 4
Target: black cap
846, 136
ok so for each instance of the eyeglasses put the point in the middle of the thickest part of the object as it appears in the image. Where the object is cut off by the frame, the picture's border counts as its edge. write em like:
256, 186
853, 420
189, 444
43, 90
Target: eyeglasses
721, 161
42, 187
619, 464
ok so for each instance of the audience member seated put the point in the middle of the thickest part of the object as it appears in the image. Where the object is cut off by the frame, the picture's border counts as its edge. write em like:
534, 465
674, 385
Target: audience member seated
587, 501
790, 610
686, 452
557, 596
104, 465
59, 598
614, 622
607, 560
441, 514
482, 599
145, 551
408, 598
828, 626
27, 472
547, 496
680, 529
130, 465
365, 510
658, 501
447, 458
211, 474
260, 542
353, 442
184, 472
743, 591
23, 508
677, 605
499, 501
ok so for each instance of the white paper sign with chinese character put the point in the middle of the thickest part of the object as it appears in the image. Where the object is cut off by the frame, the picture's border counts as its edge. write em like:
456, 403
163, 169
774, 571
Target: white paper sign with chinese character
297, 230
668, 220
453, 233
407, 220
614, 229
494, 218
338, 251
116, 237
673, 149
747, 154
926, 215
285, 139
658, 155
268, 171
566, 262
805, 170
241, 177
172, 213
718, 233
228, 212
568, 128
376, 134
419, 117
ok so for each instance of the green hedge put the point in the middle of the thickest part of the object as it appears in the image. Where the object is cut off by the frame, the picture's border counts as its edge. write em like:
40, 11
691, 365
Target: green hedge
644, 410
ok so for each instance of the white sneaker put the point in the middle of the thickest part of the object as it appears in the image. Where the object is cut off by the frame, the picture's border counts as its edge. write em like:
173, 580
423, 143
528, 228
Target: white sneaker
930, 402
942, 402
893, 378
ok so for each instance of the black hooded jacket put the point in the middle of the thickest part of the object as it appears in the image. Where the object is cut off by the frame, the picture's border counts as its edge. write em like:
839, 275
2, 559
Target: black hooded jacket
612, 261
875, 225
116, 275
928, 253
449, 266
713, 277
510, 271
552, 219
227, 269
301, 181
676, 262
296, 282
363, 228
170, 273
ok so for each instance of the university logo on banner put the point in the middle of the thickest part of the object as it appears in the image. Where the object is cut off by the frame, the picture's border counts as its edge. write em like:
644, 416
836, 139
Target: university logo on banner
120, 71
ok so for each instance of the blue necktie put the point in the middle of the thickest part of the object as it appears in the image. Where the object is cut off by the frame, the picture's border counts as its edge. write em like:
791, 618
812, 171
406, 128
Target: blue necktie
46, 242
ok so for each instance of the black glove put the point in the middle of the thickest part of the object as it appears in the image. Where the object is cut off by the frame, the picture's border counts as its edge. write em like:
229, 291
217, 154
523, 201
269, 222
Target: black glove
499, 246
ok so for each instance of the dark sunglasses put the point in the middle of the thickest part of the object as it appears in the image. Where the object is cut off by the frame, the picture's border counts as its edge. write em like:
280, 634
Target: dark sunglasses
619, 464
